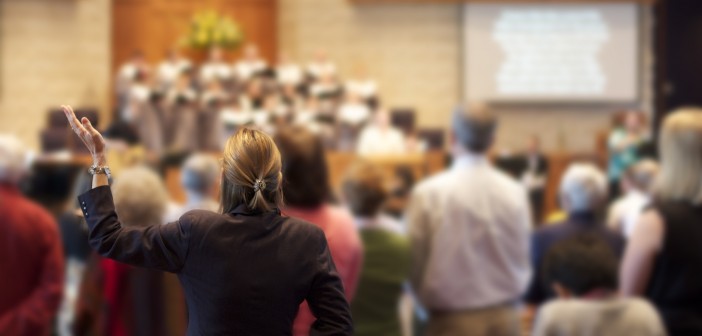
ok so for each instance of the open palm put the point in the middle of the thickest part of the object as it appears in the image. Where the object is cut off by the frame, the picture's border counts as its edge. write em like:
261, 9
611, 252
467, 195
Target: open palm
87, 133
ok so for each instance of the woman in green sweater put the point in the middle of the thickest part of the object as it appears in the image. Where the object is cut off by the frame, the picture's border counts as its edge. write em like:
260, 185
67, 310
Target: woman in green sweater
386, 254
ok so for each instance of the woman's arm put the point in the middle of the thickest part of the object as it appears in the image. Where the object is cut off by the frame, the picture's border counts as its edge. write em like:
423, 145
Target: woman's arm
162, 247
643, 246
326, 298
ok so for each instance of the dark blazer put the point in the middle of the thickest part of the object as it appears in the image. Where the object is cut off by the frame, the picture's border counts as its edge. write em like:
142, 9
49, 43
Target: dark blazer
243, 273
541, 164
543, 239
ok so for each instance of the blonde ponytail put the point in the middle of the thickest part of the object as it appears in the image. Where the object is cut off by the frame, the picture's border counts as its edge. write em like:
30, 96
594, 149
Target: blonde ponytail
251, 172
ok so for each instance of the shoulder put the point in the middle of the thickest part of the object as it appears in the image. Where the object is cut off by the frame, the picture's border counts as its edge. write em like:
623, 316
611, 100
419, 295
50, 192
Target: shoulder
641, 307
304, 232
432, 183
543, 237
391, 225
558, 312
650, 230
42, 220
343, 225
200, 218
506, 182
199, 215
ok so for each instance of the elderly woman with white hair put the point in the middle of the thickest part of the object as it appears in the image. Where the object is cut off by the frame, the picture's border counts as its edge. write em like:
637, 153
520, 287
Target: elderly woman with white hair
663, 256
121, 299
583, 194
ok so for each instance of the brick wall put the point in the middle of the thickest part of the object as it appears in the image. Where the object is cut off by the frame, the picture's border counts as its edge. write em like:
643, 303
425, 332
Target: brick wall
52, 52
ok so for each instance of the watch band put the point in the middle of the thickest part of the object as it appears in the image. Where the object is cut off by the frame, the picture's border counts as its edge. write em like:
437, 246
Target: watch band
99, 170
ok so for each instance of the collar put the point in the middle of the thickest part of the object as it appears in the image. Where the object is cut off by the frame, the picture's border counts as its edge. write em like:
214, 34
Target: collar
466, 160
366, 222
243, 209
583, 217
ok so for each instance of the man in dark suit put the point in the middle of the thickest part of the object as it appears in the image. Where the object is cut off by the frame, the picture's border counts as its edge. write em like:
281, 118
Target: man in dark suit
534, 175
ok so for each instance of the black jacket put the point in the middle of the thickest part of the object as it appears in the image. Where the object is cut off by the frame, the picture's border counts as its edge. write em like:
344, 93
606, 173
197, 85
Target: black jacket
243, 273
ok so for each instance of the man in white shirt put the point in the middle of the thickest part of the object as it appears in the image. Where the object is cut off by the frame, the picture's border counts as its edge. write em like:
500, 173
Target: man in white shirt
250, 65
637, 182
470, 228
380, 137
215, 67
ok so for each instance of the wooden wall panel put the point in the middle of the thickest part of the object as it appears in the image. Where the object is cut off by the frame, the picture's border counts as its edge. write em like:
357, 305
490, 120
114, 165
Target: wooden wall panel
156, 25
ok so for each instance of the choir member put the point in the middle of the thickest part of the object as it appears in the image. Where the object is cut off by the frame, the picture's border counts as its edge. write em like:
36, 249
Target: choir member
288, 72
380, 137
250, 65
169, 70
215, 67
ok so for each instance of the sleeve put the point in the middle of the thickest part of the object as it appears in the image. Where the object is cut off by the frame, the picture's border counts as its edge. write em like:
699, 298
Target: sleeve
34, 315
351, 284
160, 247
420, 238
363, 145
544, 325
535, 291
326, 297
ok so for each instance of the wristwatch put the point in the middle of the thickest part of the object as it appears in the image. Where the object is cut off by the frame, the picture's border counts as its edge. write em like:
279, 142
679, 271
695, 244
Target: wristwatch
104, 170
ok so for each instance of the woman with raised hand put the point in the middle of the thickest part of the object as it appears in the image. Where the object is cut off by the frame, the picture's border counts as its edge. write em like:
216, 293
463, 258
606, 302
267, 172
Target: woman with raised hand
244, 271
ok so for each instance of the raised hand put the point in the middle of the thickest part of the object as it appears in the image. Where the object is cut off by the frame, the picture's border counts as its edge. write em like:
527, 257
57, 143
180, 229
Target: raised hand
88, 134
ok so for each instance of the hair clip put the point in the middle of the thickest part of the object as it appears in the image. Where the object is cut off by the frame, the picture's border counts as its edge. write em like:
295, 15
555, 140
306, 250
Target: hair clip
259, 185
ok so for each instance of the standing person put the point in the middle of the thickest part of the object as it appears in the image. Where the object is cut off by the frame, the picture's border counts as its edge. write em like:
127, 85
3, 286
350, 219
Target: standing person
636, 184
306, 192
133, 68
582, 270
31, 256
216, 68
380, 137
583, 194
535, 176
198, 177
250, 65
321, 65
623, 144
386, 254
288, 72
118, 299
469, 228
663, 256
235, 279
170, 69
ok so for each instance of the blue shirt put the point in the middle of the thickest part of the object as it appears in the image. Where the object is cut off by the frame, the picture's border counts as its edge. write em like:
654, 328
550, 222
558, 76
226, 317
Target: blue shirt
546, 237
